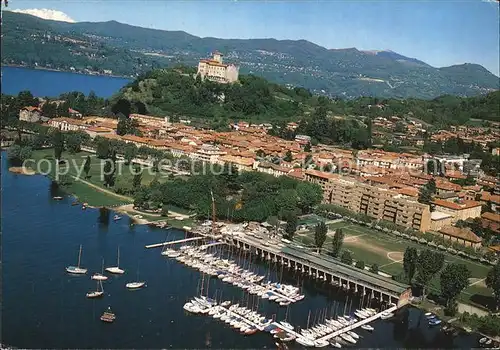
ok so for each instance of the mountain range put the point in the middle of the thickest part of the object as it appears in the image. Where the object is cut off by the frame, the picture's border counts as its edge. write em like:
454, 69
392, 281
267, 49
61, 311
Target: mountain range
130, 50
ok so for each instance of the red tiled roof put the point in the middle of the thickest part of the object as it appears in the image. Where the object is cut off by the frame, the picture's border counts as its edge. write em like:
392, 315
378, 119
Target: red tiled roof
462, 233
456, 206
491, 217
321, 174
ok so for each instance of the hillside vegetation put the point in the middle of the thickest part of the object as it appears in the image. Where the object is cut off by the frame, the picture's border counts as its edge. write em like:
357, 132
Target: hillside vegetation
176, 92
130, 50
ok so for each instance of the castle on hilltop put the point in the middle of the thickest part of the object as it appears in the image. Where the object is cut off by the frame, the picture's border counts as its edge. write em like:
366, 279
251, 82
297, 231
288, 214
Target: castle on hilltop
213, 69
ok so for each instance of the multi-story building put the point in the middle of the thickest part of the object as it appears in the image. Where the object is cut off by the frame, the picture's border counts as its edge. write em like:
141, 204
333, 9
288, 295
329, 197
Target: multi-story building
376, 202
30, 114
213, 69
461, 210
67, 124
208, 153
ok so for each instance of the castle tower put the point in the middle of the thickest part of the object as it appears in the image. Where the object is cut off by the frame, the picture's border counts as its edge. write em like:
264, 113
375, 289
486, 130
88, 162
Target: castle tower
217, 56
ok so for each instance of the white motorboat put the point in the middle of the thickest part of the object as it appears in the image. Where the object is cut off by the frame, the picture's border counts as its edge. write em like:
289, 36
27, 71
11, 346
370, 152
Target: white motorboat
352, 334
348, 338
286, 325
116, 269
77, 270
305, 341
321, 343
135, 285
385, 315
367, 327
335, 344
117, 217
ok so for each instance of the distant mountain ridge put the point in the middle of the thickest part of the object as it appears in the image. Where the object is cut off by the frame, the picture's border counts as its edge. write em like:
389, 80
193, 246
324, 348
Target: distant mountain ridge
346, 73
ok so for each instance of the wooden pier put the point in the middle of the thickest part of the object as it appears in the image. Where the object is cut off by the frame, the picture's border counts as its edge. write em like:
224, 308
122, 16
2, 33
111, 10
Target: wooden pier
174, 242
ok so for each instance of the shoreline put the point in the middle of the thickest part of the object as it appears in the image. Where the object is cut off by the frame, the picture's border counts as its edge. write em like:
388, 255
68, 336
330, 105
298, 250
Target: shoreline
66, 71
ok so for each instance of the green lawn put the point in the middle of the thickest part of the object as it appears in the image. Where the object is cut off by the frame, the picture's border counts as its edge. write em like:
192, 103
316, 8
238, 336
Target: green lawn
373, 246
45, 163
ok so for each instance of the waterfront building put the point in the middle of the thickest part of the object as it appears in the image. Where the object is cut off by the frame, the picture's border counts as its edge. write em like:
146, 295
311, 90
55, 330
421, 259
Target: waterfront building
215, 70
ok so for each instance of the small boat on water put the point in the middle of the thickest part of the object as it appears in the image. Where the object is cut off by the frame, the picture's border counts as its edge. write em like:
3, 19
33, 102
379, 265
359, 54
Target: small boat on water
348, 338
74, 203
305, 341
367, 327
116, 269
428, 314
434, 322
57, 198
84, 206
385, 315
100, 276
117, 217
108, 316
96, 293
77, 270
321, 343
335, 344
483, 340
135, 285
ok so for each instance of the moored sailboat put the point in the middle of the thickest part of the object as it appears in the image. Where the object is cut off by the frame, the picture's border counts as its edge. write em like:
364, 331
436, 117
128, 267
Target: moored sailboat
100, 276
96, 293
116, 269
77, 270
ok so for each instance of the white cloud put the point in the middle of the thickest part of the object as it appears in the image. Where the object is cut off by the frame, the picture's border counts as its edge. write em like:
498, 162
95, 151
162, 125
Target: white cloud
48, 14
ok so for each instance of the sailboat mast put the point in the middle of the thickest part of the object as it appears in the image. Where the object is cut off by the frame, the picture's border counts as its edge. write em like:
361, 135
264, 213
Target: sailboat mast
308, 319
118, 262
79, 255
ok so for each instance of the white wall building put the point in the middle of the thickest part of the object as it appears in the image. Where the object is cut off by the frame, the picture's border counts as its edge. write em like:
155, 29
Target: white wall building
214, 69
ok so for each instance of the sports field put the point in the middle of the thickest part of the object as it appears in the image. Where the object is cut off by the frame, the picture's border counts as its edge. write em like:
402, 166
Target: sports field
387, 251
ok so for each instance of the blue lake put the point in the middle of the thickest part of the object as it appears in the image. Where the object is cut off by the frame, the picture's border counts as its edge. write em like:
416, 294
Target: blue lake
43, 83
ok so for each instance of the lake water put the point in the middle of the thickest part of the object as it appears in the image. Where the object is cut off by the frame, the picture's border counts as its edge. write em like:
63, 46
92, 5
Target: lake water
43, 83
43, 307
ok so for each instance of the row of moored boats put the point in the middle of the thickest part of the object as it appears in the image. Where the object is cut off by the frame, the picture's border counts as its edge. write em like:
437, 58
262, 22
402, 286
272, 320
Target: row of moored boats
228, 271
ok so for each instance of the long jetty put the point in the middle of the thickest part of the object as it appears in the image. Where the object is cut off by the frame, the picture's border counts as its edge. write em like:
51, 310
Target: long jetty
156, 245
357, 324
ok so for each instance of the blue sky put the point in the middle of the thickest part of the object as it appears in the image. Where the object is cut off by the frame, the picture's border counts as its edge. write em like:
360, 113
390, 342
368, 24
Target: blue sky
439, 32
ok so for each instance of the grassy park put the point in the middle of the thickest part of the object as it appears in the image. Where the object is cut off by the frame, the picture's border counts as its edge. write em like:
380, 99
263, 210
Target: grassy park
90, 189
387, 251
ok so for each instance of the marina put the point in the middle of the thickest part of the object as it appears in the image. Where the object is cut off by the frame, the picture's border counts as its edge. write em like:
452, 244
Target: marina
36, 301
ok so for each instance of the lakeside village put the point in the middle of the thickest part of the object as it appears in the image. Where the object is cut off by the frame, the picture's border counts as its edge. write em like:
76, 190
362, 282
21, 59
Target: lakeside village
453, 215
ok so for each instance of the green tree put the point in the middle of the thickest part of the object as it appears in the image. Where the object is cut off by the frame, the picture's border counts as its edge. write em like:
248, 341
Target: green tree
454, 279
103, 148
493, 282
137, 177
288, 156
346, 257
86, 167
429, 263
360, 264
338, 240
18, 154
74, 142
309, 195
320, 232
122, 106
58, 143
374, 268
410, 260
291, 225
424, 195
307, 147
130, 152
123, 185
